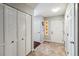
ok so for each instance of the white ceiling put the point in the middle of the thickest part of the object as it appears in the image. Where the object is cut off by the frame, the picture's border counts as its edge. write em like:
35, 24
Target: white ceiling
44, 9
32, 5
25, 5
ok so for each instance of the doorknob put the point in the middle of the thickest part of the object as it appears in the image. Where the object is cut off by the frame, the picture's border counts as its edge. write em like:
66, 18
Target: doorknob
22, 39
67, 34
67, 52
51, 32
72, 42
38, 32
12, 41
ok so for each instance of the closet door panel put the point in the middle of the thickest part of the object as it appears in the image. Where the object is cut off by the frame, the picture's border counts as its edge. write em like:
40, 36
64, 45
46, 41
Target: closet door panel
10, 31
21, 33
1, 30
28, 34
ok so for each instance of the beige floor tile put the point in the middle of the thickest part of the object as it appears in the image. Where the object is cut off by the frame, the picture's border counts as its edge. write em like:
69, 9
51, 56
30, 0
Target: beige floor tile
49, 49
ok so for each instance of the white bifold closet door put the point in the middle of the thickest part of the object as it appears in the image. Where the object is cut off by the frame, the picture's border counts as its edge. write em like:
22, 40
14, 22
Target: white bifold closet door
1, 30
10, 17
28, 34
21, 33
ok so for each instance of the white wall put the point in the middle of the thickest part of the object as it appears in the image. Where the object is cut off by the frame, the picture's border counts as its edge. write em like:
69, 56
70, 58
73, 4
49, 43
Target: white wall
59, 24
37, 29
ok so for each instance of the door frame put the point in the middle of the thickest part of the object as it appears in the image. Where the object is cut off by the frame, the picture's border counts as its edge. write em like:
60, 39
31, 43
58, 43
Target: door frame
76, 27
31, 35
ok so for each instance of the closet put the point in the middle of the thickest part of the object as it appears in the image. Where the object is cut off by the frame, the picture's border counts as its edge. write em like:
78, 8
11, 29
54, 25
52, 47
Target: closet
15, 32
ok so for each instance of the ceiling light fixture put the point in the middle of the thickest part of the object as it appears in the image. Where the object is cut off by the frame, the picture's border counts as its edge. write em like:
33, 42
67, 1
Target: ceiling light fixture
55, 9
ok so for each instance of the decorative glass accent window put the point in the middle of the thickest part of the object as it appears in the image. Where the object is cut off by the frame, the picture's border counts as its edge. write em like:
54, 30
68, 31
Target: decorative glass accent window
46, 27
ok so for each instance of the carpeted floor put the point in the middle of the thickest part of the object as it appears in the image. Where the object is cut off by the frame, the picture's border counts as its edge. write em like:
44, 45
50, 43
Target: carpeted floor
49, 49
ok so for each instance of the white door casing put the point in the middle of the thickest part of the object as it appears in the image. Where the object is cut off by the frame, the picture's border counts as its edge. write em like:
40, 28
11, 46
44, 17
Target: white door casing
28, 34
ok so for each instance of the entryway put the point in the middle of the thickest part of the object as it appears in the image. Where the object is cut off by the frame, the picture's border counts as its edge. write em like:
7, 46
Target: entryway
54, 30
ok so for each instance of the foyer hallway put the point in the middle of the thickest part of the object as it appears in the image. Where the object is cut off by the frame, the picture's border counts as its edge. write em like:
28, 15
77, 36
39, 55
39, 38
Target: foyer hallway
49, 49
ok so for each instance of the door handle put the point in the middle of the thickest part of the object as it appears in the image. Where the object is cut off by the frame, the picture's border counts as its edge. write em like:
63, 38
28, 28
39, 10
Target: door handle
38, 32
12, 41
51, 32
72, 42
22, 39
67, 34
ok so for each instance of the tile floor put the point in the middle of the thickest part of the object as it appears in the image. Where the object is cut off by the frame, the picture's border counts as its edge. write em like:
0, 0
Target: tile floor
49, 49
